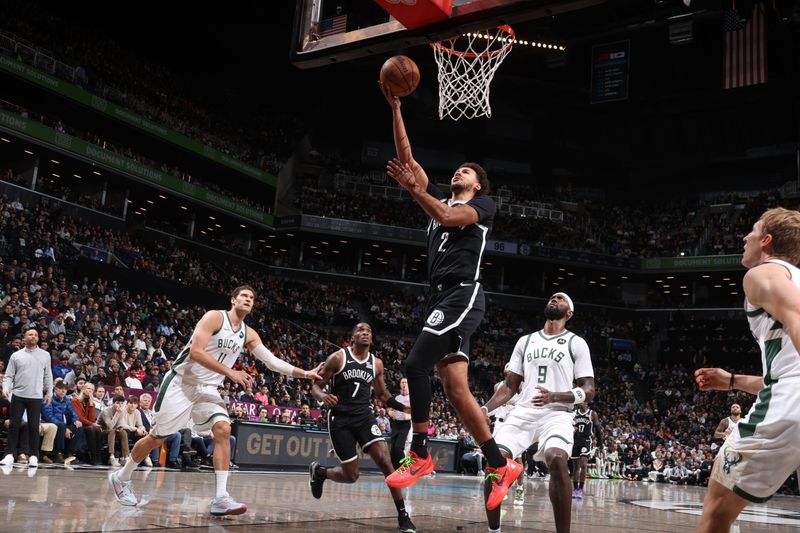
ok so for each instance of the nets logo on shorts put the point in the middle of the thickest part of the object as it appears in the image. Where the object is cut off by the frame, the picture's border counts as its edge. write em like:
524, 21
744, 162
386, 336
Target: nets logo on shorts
436, 318
375, 430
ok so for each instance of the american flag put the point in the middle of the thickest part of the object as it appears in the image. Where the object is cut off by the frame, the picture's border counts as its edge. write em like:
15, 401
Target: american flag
745, 61
333, 26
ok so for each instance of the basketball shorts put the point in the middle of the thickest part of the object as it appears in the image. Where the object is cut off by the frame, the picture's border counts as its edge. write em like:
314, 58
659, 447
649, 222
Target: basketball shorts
581, 448
178, 402
764, 449
451, 318
347, 431
524, 426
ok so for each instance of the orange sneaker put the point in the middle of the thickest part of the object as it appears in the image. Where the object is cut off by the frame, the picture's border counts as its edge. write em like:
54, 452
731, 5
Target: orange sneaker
502, 479
412, 467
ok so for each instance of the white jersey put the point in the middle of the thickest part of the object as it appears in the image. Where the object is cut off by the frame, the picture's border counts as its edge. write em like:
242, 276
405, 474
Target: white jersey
551, 362
779, 357
733, 423
225, 345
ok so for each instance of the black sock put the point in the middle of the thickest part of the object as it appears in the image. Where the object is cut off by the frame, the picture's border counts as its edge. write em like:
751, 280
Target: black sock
322, 472
492, 454
580, 485
574, 485
401, 507
419, 444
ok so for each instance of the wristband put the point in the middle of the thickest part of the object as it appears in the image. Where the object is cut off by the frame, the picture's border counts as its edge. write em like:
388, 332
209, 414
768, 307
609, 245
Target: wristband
394, 404
730, 385
580, 395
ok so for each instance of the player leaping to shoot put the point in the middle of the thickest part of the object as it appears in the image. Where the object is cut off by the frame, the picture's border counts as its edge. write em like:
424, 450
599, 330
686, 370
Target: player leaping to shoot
189, 391
457, 234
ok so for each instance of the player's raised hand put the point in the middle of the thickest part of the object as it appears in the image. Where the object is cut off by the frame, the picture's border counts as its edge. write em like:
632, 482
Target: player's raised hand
544, 397
401, 173
394, 101
712, 379
240, 377
330, 400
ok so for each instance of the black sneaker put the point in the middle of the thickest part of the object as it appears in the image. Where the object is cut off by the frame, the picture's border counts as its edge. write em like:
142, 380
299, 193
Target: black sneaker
315, 481
405, 523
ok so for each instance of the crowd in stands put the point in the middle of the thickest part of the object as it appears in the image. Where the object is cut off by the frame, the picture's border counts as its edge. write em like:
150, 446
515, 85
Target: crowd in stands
106, 144
257, 136
651, 228
101, 334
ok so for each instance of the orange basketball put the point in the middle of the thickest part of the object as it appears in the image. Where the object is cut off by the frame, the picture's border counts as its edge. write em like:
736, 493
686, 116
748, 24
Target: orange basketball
401, 75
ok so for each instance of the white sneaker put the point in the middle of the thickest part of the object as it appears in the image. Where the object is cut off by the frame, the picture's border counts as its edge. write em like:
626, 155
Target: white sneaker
33, 461
123, 490
113, 461
148, 462
227, 506
8, 460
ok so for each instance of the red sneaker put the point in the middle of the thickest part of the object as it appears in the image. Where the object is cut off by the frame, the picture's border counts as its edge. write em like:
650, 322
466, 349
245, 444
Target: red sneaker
412, 467
502, 479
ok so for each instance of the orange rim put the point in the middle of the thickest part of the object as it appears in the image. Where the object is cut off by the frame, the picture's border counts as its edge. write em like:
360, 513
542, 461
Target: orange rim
489, 53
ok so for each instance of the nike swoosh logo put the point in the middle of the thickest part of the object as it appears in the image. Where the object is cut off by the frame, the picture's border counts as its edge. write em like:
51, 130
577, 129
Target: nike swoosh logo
465, 284
414, 472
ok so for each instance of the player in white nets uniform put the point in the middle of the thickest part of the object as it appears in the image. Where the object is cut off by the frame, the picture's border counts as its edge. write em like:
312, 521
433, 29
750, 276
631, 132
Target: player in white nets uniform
550, 361
764, 449
729, 423
189, 392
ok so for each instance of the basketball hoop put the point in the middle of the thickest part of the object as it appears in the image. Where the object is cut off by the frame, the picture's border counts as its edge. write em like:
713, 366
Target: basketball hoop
467, 64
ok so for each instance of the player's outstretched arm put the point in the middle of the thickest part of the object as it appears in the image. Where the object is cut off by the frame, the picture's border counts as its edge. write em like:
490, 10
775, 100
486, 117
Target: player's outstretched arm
402, 144
331, 365
276, 364
719, 379
504, 392
210, 323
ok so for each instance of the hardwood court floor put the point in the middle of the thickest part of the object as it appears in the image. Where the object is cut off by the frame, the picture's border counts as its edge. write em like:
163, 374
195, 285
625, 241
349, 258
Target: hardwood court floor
58, 500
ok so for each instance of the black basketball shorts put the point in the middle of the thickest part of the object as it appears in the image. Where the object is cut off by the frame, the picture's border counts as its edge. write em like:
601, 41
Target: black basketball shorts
346, 431
451, 318
581, 448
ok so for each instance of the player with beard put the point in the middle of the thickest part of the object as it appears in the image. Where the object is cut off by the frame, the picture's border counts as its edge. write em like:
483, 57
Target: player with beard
354, 372
457, 232
727, 424
549, 361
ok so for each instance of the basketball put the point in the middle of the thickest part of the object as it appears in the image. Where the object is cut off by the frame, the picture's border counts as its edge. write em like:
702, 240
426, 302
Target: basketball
400, 75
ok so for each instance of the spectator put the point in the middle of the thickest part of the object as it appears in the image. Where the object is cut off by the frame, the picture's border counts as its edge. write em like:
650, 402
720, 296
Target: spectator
61, 413
113, 420
83, 404
27, 377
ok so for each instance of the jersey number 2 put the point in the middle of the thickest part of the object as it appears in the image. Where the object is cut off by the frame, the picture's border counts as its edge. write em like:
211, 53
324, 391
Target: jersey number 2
445, 236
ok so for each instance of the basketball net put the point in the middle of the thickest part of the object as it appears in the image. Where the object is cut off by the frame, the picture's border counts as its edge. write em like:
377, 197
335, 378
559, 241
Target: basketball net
467, 64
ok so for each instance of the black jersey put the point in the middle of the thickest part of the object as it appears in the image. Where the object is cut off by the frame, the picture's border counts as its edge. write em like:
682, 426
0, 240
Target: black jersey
454, 254
583, 425
352, 385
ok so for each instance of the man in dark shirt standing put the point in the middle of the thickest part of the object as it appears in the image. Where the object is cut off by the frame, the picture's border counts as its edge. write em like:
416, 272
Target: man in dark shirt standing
457, 234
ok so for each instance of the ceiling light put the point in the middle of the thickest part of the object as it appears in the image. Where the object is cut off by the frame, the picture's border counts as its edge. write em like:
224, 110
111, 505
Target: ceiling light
96, 173
28, 152
54, 161
162, 196
150, 202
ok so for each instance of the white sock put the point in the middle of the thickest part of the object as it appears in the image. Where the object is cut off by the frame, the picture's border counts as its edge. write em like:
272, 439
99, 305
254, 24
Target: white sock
124, 474
222, 483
